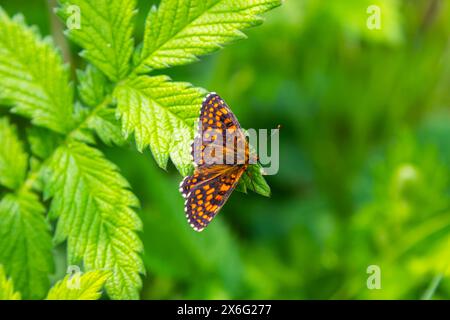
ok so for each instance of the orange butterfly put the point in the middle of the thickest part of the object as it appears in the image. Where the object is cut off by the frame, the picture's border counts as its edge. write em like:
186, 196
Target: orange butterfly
221, 156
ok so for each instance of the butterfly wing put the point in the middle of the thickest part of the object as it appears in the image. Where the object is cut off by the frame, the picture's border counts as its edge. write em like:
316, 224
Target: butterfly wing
198, 178
216, 126
207, 195
207, 190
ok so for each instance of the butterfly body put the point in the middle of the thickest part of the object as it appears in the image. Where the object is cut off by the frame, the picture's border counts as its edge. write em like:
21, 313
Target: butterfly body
221, 156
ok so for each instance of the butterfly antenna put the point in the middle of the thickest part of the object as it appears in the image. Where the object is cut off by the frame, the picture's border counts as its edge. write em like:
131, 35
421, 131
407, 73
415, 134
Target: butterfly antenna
278, 128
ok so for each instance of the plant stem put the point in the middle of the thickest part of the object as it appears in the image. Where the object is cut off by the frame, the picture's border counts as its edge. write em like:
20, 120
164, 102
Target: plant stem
57, 32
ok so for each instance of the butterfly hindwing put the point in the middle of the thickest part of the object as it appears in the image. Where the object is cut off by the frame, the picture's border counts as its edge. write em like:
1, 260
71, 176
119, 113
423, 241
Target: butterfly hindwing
205, 198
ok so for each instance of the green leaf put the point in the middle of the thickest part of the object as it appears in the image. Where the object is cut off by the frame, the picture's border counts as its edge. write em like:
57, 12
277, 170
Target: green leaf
90, 285
32, 76
25, 243
161, 114
93, 203
107, 127
103, 121
92, 86
43, 141
13, 159
7, 287
179, 31
105, 33
253, 179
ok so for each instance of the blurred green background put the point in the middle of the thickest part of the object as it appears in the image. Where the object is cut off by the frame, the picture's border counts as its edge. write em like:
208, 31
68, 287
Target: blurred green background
364, 158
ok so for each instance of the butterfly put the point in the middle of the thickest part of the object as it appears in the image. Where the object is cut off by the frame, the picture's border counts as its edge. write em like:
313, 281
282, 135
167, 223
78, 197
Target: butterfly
221, 156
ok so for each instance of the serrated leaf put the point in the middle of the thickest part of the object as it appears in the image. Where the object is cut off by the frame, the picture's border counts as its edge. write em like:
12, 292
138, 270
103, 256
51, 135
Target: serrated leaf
253, 179
13, 159
43, 141
32, 76
87, 286
25, 243
161, 114
92, 89
7, 288
82, 115
94, 206
105, 33
107, 127
179, 31
92, 86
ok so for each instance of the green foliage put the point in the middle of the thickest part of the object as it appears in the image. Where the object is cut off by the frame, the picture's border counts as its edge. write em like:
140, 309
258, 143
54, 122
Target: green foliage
94, 209
13, 159
33, 78
343, 95
90, 285
93, 87
254, 180
407, 183
348, 15
176, 33
105, 33
107, 127
7, 288
91, 202
162, 114
353, 189
43, 142
173, 251
25, 243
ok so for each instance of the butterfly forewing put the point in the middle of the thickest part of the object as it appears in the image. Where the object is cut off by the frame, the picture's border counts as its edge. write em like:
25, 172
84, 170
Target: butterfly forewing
218, 132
